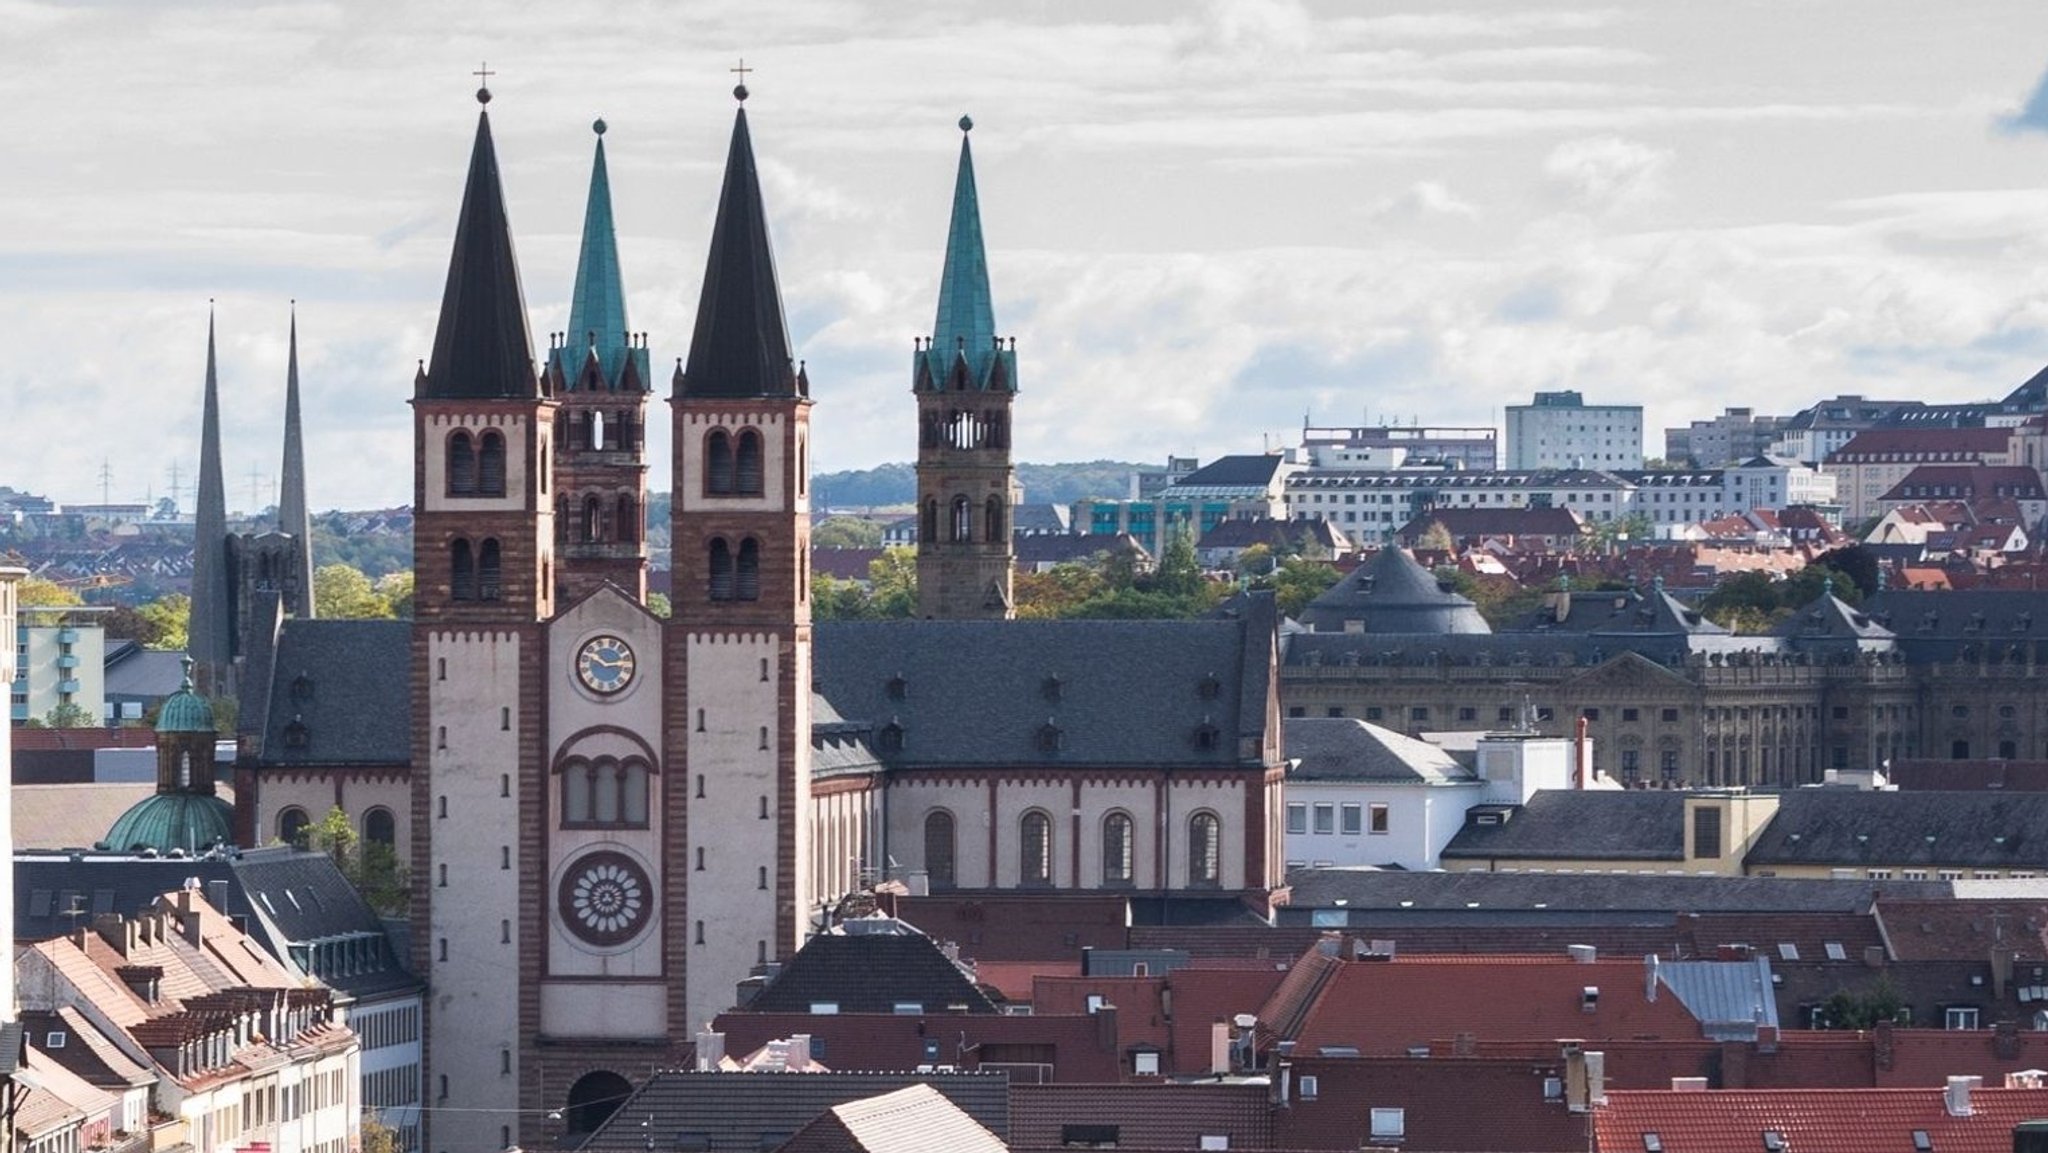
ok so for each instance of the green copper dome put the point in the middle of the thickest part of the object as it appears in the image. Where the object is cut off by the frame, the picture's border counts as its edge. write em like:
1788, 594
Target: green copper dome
169, 821
185, 711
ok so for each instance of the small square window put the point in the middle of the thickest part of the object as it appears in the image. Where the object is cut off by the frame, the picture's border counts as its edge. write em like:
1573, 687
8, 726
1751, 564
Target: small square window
1389, 1124
1325, 819
1353, 819
1297, 818
1378, 818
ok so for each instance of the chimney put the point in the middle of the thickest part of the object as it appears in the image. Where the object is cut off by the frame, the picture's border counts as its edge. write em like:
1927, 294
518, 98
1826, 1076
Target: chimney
1219, 1047
1873, 956
1575, 1077
2027, 1079
1956, 1098
217, 896
1735, 1065
797, 1058
2005, 1040
1596, 1078
1651, 973
1583, 954
1105, 1027
710, 1051
1688, 1084
1766, 1038
1582, 768
1881, 1050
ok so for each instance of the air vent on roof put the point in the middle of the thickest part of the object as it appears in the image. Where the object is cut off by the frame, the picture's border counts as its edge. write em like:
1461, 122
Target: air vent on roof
1774, 1141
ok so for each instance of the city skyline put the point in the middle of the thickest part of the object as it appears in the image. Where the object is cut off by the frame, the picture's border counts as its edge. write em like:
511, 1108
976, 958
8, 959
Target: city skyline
1202, 226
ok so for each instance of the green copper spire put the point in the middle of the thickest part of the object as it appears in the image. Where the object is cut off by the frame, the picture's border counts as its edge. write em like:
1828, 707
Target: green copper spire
597, 308
964, 334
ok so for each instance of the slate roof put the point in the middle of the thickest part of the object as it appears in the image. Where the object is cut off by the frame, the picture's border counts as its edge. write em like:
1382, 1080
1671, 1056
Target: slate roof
1967, 482
1145, 1115
1832, 618
1940, 625
1466, 523
1244, 532
1391, 593
1575, 824
354, 703
1619, 611
1245, 470
1813, 1120
1371, 891
721, 1112
281, 897
968, 693
1344, 749
740, 346
482, 347
1033, 549
134, 672
913, 1119
1846, 827
870, 972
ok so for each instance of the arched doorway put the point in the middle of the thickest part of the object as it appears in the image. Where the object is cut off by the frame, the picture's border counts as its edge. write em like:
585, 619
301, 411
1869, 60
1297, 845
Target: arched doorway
593, 1099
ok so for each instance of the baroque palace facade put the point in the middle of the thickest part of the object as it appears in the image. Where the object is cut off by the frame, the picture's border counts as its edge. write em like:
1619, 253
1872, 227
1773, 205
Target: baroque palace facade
611, 820
1671, 699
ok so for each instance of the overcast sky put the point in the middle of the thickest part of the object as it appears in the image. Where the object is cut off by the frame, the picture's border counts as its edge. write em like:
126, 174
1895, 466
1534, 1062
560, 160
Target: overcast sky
1205, 222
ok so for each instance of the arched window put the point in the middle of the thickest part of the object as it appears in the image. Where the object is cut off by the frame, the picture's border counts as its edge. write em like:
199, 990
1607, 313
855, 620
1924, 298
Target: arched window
380, 828
562, 523
721, 570
593, 429
750, 472
1205, 849
605, 793
718, 462
928, 529
1116, 849
590, 526
938, 849
963, 520
291, 824
490, 464
461, 572
627, 433
593, 1099
748, 586
992, 521
461, 465
489, 569
627, 528
1034, 856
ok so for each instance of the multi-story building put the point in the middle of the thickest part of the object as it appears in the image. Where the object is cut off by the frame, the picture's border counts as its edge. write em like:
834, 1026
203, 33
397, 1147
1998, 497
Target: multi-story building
59, 663
1477, 449
1736, 434
1560, 430
1227, 488
1872, 462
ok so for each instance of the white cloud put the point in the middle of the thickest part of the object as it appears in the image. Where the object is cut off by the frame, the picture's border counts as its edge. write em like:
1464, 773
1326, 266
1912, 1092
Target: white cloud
1608, 171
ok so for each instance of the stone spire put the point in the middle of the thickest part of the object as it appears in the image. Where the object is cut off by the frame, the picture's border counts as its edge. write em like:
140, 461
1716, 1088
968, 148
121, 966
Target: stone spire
482, 348
740, 347
210, 639
293, 516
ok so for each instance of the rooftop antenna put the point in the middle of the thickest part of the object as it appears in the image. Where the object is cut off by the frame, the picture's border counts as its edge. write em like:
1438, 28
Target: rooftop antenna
106, 481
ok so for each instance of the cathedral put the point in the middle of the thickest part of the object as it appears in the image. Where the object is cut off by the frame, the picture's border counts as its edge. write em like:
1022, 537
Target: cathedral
612, 820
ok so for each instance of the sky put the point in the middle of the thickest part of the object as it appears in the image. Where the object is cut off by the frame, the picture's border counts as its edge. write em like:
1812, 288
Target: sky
1206, 222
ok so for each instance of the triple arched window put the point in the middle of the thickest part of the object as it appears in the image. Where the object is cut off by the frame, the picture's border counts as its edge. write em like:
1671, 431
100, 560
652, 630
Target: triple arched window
605, 792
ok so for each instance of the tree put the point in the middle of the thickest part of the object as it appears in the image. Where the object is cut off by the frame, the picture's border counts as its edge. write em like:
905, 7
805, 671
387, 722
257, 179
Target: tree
70, 715
1057, 592
1856, 563
1300, 581
658, 604
170, 618
892, 584
342, 592
395, 587
1435, 538
1255, 562
847, 532
374, 869
41, 591
1863, 1008
379, 1137
1179, 573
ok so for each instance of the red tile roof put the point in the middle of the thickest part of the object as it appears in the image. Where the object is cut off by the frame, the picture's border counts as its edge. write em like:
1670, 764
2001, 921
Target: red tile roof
1944, 443
1016, 926
1964, 930
1165, 1115
1447, 1106
1383, 1008
1813, 1120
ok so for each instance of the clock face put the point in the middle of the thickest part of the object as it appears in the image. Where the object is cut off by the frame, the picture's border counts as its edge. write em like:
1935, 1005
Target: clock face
606, 898
605, 664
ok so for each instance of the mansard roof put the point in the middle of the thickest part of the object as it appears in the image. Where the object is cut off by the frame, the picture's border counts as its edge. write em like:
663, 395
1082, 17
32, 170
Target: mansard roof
965, 694
482, 348
740, 347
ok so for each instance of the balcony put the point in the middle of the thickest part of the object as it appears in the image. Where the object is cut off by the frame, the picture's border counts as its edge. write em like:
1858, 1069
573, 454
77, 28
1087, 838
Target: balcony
67, 636
65, 687
67, 661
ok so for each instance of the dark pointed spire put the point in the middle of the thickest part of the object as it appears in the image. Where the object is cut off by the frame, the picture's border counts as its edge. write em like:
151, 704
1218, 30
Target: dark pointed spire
964, 333
293, 515
741, 344
482, 348
597, 308
209, 639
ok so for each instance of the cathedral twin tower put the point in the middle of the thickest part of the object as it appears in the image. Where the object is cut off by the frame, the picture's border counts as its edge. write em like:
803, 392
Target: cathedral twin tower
610, 811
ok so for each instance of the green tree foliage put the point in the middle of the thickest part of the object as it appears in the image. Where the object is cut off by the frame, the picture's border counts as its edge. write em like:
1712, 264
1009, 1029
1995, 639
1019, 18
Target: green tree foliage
847, 532
170, 618
70, 715
379, 1137
43, 591
1057, 592
658, 604
342, 592
1300, 580
890, 593
396, 589
896, 484
1752, 602
1863, 1008
374, 869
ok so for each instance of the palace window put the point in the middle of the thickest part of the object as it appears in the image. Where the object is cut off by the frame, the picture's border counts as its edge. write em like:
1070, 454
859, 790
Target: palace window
1205, 849
1116, 849
1035, 849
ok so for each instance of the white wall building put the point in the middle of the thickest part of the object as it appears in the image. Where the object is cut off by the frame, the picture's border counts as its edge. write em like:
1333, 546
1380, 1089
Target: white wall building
1359, 794
1560, 430
60, 658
